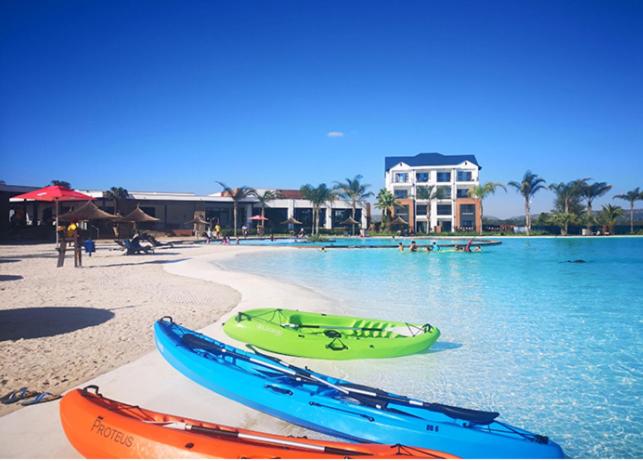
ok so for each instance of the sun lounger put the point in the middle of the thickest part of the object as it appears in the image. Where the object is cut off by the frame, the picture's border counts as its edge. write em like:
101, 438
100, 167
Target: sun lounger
150, 238
134, 247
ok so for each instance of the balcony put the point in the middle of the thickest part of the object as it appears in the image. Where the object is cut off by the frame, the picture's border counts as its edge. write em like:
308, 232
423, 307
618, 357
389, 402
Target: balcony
401, 178
465, 176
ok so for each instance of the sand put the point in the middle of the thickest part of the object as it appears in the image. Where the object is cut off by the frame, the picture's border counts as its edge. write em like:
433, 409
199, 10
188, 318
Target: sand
124, 295
61, 327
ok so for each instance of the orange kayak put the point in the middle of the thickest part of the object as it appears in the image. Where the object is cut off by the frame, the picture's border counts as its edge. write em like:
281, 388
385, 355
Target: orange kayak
99, 427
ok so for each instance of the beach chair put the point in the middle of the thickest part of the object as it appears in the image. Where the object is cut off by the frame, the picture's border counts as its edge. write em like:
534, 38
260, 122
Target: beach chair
150, 238
134, 247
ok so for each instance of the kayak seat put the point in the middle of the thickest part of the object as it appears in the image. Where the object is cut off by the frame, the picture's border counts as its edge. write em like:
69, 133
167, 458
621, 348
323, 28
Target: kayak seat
473, 416
195, 342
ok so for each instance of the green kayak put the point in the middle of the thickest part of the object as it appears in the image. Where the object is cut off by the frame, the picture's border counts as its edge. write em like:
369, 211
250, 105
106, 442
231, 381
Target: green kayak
323, 336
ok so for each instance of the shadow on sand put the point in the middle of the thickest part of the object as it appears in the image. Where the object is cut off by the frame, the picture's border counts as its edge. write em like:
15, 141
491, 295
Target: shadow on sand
40, 322
5, 260
8, 278
157, 261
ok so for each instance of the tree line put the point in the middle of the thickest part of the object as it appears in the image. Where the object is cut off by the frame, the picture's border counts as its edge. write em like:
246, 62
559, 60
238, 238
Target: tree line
573, 204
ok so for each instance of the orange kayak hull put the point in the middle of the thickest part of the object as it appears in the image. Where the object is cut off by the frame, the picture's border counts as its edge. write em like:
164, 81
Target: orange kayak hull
99, 427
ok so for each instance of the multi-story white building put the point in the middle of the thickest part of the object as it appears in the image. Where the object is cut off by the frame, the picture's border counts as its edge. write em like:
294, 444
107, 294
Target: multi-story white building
433, 191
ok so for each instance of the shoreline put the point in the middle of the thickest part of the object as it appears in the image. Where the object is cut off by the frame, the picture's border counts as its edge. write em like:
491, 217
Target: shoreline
150, 382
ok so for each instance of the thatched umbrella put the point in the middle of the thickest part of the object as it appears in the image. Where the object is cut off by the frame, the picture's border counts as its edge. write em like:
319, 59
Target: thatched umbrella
291, 220
197, 222
139, 216
86, 212
350, 221
400, 221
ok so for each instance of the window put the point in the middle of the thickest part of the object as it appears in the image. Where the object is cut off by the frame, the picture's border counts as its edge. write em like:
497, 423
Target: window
401, 193
444, 210
445, 225
463, 193
423, 193
421, 210
422, 177
402, 211
467, 216
401, 177
443, 192
444, 176
465, 176
467, 210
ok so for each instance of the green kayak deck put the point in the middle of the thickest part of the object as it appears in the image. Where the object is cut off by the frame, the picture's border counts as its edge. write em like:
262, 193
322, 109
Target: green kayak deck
324, 336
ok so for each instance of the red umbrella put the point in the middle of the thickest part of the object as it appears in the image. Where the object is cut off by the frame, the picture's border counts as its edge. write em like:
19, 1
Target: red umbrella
54, 194
258, 217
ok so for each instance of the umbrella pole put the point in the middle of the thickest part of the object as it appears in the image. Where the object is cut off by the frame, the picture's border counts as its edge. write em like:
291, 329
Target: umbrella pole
56, 202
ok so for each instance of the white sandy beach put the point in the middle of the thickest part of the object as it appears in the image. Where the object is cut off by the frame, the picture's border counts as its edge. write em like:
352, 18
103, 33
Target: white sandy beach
185, 283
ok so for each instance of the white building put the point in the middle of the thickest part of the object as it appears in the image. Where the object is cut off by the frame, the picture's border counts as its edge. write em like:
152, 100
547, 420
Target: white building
433, 191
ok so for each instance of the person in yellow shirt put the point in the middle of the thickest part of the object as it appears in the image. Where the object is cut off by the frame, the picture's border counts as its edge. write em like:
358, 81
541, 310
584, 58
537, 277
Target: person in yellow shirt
71, 229
217, 231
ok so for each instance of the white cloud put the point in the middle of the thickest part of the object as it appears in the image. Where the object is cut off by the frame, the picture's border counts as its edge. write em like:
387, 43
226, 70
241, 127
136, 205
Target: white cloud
335, 134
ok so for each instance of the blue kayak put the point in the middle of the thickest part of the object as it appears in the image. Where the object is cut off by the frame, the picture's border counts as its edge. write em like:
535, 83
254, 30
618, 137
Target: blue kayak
341, 408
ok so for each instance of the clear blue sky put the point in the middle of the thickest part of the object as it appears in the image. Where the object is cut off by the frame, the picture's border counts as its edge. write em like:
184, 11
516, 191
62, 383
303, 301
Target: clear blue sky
173, 95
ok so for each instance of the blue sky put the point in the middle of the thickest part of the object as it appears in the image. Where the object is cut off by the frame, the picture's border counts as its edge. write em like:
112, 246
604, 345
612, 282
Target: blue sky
173, 95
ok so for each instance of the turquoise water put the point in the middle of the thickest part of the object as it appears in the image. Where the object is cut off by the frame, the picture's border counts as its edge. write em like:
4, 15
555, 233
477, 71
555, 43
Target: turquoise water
555, 347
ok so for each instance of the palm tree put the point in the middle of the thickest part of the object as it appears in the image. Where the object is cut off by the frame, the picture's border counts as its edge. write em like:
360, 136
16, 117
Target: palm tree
354, 191
237, 194
318, 196
590, 192
562, 220
527, 187
63, 184
567, 204
608, 216
482, 191
631, 196
386, 202
430, 193
116, 194
263, 200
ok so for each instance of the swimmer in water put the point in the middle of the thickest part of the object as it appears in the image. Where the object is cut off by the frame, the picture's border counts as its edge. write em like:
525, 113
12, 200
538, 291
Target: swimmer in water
401, 246
413, 247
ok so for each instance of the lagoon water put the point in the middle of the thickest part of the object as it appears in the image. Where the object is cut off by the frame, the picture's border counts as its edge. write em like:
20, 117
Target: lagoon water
555, 347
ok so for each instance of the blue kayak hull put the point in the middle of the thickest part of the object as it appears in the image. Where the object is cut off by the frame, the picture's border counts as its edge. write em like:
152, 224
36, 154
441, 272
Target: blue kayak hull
325, 410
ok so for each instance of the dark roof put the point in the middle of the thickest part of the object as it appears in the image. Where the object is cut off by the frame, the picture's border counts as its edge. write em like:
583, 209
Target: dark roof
291, 194
432, 159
